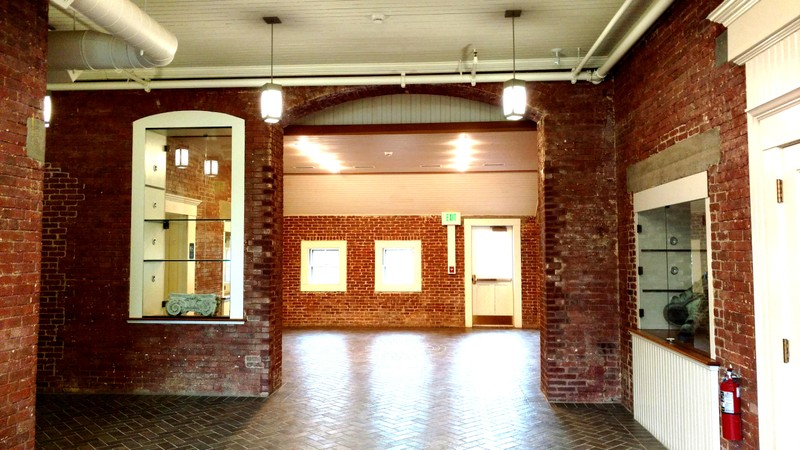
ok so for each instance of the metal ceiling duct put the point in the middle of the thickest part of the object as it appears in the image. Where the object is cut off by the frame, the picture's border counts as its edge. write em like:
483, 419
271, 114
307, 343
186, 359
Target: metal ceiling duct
91, 50
136, 40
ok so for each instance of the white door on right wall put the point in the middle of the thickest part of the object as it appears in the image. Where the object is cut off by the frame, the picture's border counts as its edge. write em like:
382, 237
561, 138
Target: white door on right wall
784, 279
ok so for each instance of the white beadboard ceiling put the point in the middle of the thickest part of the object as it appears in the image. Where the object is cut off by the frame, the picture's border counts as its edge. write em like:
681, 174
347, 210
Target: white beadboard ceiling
229, 39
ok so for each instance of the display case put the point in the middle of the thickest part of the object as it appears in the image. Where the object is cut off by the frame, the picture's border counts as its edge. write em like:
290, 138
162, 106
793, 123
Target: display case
184, 220
673, 273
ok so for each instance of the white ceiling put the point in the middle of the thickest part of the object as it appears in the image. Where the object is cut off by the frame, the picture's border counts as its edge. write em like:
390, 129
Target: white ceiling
229, 39
227, 43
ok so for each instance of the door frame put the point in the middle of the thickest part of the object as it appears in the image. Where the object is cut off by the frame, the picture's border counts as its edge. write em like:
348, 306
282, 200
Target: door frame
771, 125
516, 230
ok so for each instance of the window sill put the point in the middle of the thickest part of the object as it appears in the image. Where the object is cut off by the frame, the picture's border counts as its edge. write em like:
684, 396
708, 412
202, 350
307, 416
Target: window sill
186, 320
677, 347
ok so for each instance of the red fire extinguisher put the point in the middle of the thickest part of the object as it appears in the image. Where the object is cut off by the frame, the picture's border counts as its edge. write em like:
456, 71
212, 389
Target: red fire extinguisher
730, 405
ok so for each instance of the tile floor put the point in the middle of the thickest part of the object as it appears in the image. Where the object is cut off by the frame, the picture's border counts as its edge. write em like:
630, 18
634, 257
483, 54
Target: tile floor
360, 389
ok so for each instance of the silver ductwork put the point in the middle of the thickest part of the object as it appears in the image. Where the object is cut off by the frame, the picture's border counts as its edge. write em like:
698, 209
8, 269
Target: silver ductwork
135, 40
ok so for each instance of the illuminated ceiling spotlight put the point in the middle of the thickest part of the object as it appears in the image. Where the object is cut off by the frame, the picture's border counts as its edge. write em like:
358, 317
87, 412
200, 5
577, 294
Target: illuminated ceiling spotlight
463, 152
315, 153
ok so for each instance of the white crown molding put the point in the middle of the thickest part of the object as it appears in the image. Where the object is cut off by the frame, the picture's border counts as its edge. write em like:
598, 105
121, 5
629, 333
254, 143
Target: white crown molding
730, 10
764, 45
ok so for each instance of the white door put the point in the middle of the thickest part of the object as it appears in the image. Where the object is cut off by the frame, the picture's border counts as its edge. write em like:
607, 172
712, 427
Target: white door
783, 334
492, 269
177, 237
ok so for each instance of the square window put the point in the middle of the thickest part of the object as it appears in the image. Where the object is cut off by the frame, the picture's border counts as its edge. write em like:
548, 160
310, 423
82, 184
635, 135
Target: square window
323, 266
398, 266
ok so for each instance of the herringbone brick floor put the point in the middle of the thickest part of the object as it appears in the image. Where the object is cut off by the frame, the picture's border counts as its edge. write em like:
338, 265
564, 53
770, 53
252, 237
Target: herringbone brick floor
360, 389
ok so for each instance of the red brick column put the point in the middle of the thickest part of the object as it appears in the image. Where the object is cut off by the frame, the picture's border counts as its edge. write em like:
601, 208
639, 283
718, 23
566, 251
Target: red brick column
580, 324
23, 44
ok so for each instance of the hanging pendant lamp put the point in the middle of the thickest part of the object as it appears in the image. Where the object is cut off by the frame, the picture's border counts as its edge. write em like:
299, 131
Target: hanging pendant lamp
182, 157
271, 93
210, 165
514, 95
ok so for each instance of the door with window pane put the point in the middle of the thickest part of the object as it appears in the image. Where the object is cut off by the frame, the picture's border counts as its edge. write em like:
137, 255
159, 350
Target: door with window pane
492, 271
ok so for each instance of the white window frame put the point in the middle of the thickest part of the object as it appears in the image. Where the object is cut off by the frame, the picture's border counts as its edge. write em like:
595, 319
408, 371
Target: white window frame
187, 119
305, 274
687, 189
416, 284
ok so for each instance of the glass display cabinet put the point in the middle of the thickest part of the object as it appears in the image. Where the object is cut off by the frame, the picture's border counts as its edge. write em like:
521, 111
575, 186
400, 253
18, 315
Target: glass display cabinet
187, 219
673, 273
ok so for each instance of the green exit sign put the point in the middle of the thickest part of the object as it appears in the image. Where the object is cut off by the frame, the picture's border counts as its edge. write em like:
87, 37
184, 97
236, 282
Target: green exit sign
451, 218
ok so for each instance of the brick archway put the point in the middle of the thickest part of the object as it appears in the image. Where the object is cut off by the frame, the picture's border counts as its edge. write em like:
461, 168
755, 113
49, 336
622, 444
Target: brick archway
579, 313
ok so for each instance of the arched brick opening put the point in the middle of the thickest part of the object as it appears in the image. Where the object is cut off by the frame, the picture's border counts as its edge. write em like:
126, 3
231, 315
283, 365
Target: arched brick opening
579, 323
302, 102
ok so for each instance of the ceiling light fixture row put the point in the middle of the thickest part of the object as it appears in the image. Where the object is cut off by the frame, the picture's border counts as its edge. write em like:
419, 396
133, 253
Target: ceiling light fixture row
271, 93
514, 92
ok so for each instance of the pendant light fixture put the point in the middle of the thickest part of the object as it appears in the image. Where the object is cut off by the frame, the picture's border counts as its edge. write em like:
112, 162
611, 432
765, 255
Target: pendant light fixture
181, 157
271, 93
514, 95
210, 165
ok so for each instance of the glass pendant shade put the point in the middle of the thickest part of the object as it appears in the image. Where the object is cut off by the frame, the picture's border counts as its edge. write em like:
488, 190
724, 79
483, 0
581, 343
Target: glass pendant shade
181, 157
271, 102
211, 167
514, 99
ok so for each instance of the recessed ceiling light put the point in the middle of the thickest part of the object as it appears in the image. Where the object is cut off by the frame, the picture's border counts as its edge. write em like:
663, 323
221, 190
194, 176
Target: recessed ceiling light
316, 153
387, 154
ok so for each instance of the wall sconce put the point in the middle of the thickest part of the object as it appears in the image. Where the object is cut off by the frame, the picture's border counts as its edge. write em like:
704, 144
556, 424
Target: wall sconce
514, 94
181, 157
271, 93
47, 110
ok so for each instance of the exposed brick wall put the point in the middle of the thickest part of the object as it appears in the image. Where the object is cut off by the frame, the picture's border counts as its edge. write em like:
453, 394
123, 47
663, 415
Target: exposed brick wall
574, 124
439, 304
580, 337
61, 196
90, 139
668, 90
23, 44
